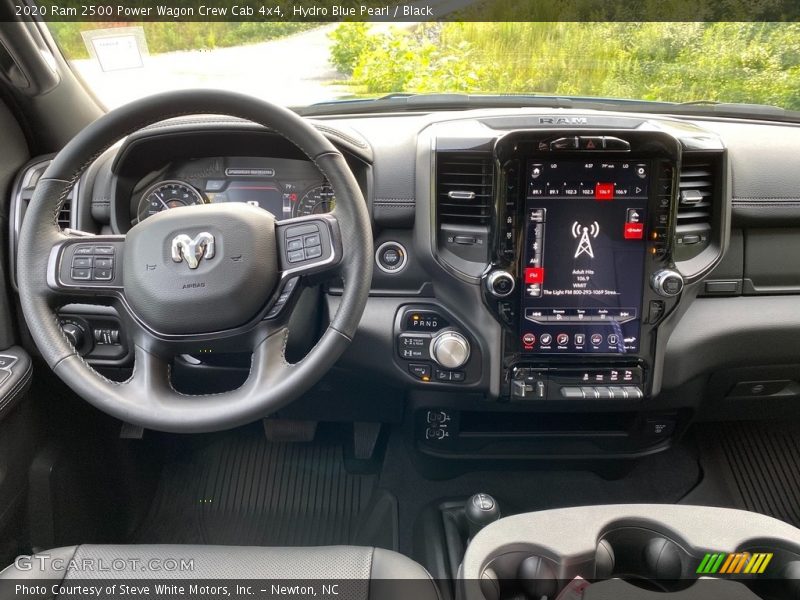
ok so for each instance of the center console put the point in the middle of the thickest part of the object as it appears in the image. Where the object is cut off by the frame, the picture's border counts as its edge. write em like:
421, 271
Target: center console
582, 270
566, 250
655, 552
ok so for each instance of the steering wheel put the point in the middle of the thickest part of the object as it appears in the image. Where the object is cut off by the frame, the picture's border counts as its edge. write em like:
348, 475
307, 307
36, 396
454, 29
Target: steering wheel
194, 279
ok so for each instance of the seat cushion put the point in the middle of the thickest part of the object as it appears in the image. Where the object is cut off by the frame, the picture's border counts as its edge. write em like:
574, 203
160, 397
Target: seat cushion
364, 573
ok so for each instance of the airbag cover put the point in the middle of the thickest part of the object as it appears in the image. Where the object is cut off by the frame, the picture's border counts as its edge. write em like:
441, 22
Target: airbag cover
228, 285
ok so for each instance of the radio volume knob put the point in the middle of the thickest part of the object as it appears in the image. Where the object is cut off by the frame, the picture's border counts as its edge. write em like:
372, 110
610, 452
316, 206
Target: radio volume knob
450, 349
667, 282
500, 283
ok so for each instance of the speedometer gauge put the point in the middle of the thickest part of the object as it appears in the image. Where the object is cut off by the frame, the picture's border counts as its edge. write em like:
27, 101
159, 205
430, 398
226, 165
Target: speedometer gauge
316, 201
165, 195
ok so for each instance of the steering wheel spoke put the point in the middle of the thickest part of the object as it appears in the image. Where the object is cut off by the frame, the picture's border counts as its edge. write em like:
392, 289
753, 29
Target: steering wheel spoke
309, 245
86, 266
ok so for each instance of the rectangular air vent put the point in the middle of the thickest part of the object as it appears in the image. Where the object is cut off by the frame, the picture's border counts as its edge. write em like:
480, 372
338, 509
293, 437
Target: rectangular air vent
22, 194
696, 194
464, 188
464, 200
64, 214
696, 190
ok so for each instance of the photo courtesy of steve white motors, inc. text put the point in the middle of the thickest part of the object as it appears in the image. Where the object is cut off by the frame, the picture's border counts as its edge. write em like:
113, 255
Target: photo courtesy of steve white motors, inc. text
168, 590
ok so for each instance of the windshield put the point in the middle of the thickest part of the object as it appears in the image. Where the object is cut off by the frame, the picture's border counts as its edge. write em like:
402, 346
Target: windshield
301, 63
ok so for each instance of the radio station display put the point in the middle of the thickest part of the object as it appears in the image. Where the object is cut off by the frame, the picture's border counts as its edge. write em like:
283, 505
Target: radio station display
583, 260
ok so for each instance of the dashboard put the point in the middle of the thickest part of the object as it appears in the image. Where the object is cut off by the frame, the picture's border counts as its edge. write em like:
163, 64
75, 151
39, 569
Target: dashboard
547, 282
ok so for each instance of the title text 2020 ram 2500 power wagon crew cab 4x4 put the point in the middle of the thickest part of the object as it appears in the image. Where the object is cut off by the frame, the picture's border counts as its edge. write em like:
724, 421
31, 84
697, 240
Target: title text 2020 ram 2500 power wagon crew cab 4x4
492, 348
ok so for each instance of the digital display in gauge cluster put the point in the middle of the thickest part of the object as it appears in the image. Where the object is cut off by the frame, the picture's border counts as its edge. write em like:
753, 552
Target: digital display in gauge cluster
285, 188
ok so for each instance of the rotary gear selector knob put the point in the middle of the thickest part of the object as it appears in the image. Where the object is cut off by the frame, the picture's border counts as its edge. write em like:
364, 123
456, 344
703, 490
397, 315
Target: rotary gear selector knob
450, 349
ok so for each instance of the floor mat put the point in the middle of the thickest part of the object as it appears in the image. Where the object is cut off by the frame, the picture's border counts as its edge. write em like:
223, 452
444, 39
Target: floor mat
757, 464
241, 489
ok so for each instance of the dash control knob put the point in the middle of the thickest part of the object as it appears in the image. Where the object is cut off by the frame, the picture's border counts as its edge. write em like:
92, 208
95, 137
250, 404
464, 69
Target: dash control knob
450, 349
500, 283
74, 333
667, 283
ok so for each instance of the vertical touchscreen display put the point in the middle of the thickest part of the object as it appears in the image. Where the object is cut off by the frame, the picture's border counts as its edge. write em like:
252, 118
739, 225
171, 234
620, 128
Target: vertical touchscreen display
583, 260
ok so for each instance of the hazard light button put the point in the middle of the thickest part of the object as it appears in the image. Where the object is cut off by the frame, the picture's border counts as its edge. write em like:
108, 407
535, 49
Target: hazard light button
590, 143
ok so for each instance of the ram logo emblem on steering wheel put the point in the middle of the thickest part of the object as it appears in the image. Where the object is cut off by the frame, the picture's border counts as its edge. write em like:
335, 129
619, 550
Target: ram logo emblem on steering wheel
193, 250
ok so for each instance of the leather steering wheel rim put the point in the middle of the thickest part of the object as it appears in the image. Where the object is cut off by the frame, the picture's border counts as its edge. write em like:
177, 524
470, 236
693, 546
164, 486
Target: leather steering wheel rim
147, 398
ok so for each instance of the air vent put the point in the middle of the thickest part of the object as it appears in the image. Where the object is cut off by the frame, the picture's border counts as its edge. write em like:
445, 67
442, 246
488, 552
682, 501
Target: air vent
696, 194
22, 194
29, 183
464, 189
64, 214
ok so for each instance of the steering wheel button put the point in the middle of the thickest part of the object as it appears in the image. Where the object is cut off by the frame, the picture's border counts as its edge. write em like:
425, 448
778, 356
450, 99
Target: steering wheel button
311, 240
294, 244
300, 230
106, 250
314, 252
102, 274
296, 256
100, 262
290, 285
81, 262
81, 274
84, 250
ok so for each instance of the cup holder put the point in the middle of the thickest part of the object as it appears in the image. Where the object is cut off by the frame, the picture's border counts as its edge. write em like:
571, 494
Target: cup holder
647, 560
520, 575
633, 557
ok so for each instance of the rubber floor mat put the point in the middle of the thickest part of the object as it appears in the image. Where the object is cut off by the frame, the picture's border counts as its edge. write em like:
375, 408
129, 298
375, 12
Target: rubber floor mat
244, 490
760, 462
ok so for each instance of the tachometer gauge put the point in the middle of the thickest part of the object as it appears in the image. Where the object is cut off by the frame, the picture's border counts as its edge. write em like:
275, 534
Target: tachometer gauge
165, 195
316, 201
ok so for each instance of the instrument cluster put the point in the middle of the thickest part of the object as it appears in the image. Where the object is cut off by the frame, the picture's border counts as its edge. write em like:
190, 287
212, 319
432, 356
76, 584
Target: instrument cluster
286, 188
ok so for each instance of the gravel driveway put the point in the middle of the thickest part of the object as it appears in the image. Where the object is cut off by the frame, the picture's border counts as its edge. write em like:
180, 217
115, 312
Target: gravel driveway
289, 71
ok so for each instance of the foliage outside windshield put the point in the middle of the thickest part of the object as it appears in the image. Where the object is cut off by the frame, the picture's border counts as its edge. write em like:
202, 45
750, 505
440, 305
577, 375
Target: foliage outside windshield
298, 64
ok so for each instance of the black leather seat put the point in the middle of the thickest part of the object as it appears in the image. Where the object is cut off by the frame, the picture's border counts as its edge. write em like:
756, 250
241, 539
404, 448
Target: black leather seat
362, 573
